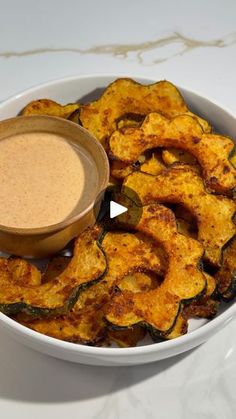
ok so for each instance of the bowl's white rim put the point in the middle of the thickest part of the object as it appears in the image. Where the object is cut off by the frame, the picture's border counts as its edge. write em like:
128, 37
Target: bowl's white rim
198, 335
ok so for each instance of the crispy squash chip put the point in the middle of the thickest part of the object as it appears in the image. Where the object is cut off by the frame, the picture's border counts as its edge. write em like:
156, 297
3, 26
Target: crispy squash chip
184, 132
85, 322
226, 276
50, 108
174, 155
59, 295
146, 273
126, 96
183, 186
203, 307
127, 253
158, 309
152, 164
86, 326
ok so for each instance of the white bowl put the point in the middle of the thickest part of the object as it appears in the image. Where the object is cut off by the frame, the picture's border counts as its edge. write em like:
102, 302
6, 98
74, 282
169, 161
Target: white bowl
89, 87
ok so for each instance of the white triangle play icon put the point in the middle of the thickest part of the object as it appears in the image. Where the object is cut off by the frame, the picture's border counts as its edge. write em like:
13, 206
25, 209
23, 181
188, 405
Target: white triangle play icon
116, 209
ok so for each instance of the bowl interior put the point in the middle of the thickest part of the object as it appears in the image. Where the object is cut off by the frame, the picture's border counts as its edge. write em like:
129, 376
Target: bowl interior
87, 88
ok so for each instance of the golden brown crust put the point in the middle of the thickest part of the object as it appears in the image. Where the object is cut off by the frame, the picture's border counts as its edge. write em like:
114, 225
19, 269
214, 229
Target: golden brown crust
158, 308
85, 322
153, 276
181, 185
183, 132
58, 295
50, 108
128, 253
125, 96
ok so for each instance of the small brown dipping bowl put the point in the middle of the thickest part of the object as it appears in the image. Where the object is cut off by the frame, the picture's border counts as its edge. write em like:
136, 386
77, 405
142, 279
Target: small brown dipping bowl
45, 241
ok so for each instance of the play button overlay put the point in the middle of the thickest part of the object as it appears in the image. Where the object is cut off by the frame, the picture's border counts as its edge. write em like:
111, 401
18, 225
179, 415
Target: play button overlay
120, 206
116, 209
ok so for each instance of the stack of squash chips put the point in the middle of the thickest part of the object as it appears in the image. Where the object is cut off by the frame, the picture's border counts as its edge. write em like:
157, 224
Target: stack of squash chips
145, 276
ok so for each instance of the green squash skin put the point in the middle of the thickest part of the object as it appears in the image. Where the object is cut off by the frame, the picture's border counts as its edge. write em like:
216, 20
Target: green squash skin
39, 312
155, 333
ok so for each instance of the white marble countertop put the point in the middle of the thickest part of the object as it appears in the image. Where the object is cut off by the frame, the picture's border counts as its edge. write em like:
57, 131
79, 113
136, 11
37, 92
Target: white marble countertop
192, 44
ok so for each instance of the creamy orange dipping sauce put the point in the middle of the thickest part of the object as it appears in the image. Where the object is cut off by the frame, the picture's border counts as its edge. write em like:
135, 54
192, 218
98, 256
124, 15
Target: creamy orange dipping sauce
44, 179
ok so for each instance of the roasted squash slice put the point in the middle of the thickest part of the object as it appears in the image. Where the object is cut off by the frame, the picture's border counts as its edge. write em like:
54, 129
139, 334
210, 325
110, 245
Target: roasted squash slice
87, 266
85, 322
226, 276
183, 132
158, 309
174, 155
205, 308
125, 96
135, 282
50, 108
127, 253
181, 185
152, 164
86, 326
